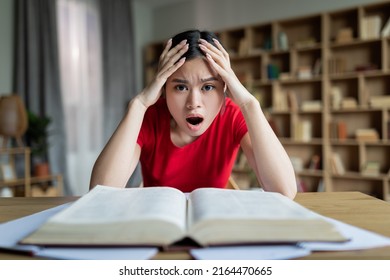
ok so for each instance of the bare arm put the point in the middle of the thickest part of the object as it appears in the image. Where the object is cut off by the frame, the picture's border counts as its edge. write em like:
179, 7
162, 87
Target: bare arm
263, 149
119, 157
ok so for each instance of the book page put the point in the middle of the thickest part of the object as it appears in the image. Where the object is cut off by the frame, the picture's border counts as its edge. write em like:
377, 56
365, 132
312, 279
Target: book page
113, 216
220, 216
109, 205
211, 203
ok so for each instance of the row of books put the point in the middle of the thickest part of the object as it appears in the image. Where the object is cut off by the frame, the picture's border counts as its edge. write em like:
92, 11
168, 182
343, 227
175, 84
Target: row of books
371, 27
299, 164
338, 130
289, 100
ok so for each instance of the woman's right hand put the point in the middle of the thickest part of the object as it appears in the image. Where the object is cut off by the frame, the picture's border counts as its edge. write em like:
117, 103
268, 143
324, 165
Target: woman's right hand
168, 63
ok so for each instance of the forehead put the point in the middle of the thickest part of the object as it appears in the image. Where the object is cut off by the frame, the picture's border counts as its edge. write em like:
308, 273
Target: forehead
194, 70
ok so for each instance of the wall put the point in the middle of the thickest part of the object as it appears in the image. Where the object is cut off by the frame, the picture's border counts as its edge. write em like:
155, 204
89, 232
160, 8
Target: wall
6, 45
167, 20
222, 14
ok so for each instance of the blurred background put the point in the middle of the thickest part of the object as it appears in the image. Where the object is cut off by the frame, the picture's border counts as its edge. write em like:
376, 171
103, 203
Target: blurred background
77, 63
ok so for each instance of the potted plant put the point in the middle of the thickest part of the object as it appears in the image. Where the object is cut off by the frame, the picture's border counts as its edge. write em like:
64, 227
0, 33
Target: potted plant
37, 137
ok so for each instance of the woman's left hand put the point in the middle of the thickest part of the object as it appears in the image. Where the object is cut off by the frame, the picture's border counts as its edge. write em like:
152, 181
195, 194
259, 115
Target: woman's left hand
219, 60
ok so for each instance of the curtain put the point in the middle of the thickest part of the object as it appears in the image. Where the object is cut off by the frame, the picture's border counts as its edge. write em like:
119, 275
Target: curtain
36, 71
96, 48
118, 66
80, 56
93, 57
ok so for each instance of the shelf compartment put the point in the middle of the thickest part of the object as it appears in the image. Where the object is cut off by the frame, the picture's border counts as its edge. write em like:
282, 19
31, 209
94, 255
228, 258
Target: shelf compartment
358, 119
260, 38
378, 10
356, 57
306, 155
302, 32
308, 64
309, 183
282, 124
299, 92
351, 182
379, 154
233, 41
247, 69
342, 20
349, 156
263, 94
376, 91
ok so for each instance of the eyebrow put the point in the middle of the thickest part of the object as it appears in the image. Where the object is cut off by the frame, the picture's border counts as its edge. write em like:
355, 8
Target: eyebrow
183, 81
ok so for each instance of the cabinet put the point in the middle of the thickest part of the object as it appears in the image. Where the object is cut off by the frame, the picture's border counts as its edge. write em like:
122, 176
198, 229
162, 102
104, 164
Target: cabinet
25, 184
324, 82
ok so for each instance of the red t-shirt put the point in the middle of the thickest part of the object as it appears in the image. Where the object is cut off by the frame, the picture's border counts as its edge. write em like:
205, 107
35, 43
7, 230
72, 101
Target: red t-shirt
206, 162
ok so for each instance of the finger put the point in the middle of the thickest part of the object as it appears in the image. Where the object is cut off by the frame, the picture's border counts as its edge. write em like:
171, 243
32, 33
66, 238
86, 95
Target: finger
215, 65
174, 58
219, 56
210, 47
169, 70
221, 48
172, 52
167, 47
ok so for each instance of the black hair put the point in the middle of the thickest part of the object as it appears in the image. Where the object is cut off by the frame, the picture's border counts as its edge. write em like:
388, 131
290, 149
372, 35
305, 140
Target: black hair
192, 37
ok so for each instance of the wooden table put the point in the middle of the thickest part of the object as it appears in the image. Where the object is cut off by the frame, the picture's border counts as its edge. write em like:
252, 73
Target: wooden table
350, 207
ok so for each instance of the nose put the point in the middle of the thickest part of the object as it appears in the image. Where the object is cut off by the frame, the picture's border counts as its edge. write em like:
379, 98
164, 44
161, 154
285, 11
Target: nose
194, 99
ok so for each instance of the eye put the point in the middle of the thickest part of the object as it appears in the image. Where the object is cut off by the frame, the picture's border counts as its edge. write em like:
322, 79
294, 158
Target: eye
208, 87
180, 88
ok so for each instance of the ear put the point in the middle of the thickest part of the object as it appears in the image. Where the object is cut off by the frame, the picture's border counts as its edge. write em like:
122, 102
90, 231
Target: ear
224, 87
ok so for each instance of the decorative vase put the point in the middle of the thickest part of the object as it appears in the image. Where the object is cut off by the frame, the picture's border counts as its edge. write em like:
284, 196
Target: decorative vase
13, 117
41, 169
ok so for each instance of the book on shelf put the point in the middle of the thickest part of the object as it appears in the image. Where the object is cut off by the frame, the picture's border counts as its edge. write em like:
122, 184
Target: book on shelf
371, 168
301, 185
161, 216
337, 65
317, 67
338, 130
337, 164
304, 72
366, 134
371, 27
342, 133
344, 35
292, 100
348, 103
303, 130
336, 97
280, 100
321, 186
379, 101
273, 71
386, 29
311, 105
315, 162
297, 163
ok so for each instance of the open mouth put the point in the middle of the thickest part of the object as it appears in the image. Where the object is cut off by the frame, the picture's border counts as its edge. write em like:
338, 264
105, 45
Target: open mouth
194, 120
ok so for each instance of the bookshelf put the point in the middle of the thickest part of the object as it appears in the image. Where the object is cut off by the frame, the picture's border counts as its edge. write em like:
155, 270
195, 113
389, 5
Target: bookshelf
25, 184
324, 81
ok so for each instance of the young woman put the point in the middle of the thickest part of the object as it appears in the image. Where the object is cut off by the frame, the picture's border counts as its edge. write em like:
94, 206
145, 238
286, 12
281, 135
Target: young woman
187, 125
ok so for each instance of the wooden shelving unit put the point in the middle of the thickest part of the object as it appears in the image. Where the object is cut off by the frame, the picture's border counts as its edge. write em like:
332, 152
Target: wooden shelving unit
27, 185
315, 74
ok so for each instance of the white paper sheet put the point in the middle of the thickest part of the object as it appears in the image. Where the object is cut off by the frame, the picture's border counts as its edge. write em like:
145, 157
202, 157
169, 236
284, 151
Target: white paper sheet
360, 239
269, 252
13, 231
98, 253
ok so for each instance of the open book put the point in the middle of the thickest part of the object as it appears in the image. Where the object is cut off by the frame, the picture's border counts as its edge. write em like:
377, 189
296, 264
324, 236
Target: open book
162, 215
